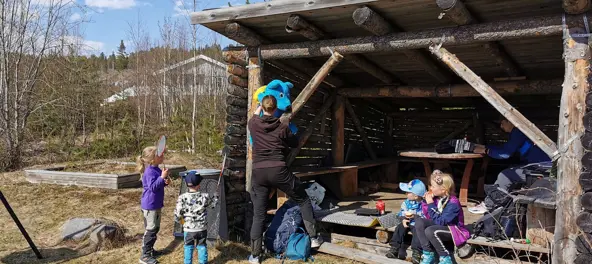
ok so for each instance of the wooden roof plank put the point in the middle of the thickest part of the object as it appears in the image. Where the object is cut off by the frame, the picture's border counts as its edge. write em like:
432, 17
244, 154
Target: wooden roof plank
267, 9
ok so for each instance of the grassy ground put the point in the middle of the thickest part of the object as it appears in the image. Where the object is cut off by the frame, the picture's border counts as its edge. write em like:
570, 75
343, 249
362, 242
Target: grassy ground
43, 208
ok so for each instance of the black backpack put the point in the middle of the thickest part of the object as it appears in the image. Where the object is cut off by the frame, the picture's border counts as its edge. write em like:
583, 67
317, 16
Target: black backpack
505, 222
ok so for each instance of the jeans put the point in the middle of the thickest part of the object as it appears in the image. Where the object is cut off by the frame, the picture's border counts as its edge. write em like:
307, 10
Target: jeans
196, 240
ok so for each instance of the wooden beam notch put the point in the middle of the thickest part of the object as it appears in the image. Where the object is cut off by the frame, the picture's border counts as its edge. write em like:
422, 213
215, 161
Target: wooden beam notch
369, 20
297, 23
457, 12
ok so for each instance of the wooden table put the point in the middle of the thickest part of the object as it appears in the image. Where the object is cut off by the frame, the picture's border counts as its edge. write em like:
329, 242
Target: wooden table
425, 156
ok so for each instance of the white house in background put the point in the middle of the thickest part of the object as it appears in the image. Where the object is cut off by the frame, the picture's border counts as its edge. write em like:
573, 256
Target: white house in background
209, 75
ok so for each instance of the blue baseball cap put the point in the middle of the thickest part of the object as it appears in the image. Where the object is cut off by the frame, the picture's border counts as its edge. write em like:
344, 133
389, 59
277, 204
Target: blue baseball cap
193, 179
415, 186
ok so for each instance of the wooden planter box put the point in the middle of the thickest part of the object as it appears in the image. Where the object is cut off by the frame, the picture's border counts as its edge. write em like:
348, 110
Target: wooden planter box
57, 175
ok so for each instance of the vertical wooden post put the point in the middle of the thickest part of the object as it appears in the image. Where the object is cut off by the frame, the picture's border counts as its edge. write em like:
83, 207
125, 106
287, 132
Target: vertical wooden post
338, 131
255, 81
388, 135
358, 125
478, 129
571, 127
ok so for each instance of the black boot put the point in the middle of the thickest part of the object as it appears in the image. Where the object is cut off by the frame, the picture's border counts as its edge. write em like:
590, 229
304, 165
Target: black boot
416, 256
393, 253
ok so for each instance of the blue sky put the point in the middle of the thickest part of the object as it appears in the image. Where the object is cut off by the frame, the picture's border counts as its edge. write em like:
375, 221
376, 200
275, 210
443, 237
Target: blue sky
106, 22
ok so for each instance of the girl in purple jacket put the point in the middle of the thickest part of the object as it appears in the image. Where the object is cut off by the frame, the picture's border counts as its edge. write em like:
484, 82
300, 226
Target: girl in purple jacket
153, 180
444, 220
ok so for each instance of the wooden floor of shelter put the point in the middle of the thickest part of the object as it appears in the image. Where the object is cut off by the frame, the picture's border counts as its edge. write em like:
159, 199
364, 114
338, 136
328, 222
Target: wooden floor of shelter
393, 203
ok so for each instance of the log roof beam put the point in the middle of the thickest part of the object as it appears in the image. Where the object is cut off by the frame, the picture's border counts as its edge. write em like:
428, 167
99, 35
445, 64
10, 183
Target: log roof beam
297, 23
454, 90
371, 21
457, 12
576, 6
245, 35
542, 26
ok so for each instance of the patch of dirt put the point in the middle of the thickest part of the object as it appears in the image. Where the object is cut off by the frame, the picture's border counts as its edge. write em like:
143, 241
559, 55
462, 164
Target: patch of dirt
103, 168
43, 208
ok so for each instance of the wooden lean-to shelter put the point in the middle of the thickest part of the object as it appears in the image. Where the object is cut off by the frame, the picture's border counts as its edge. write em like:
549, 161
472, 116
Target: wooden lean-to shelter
405, 74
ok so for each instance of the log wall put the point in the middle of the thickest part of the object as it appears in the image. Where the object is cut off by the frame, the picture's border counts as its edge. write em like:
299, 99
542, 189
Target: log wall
416, 130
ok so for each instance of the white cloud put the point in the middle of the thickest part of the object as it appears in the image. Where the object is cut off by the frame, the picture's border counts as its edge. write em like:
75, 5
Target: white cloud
75, 17
84, 46
181, 8
112, 4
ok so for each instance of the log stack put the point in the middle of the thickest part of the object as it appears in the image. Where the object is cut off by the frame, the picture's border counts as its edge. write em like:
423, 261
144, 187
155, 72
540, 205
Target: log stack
584, 220
235, 141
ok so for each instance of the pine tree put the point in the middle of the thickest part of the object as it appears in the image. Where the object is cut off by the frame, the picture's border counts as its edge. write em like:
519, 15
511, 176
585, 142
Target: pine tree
122, 60
102, 62
111, 61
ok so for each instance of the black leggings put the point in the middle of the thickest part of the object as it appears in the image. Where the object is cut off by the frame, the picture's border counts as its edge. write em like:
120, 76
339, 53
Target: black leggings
401, 236
281, 178
432, 237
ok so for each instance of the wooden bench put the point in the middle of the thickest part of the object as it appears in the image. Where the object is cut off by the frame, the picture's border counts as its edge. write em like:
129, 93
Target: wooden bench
346, 182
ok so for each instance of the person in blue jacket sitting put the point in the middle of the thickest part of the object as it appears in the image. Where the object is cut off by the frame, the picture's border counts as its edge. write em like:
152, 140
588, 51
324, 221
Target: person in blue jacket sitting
517, 143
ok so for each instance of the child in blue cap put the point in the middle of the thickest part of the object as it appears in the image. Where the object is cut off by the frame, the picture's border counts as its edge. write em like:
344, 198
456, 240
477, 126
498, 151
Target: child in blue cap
410, 208
192, 209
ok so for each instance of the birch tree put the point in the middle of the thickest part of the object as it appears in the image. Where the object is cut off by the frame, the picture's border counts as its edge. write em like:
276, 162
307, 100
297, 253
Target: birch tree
29, 30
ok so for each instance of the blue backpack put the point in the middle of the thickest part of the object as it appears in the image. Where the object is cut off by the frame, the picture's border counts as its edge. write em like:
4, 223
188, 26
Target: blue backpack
286, 221
298, 247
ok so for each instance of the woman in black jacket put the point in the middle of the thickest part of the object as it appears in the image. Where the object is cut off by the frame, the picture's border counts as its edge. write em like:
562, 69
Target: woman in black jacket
272, 140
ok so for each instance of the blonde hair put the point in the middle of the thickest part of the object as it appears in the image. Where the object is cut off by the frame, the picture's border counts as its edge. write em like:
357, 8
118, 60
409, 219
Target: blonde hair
269, 103
444, 180
147, 157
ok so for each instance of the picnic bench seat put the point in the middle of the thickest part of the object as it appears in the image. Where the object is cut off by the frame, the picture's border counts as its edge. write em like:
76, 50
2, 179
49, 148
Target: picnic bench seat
346, 182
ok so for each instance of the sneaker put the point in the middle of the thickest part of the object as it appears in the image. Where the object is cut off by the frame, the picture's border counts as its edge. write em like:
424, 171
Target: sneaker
428, 257
316, 242
445, 260
157, 253
416, 256
253, 259
148, 260
478, 209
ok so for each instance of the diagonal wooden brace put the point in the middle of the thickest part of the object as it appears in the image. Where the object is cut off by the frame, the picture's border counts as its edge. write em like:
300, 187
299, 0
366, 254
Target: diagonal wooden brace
509, 112
313, 84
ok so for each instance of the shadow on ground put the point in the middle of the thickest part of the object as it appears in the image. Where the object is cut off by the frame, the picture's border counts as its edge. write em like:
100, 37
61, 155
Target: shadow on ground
230, 251
50, 255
